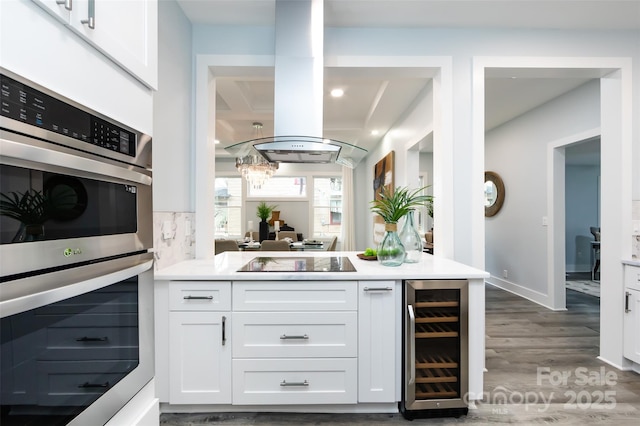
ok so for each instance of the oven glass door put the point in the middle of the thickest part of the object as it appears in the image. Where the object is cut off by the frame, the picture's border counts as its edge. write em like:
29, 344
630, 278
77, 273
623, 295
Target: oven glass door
76, 359
38, 205
60, 208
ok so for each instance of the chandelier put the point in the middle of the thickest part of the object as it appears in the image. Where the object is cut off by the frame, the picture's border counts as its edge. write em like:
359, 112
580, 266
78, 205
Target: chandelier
254, 167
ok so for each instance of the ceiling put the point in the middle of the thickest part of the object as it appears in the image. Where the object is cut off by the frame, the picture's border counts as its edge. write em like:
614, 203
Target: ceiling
377, 98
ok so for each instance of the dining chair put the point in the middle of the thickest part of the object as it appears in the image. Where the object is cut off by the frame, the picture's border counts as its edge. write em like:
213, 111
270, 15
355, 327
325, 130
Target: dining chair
225, 245
288, 234
272, 245
255, 234
333, 244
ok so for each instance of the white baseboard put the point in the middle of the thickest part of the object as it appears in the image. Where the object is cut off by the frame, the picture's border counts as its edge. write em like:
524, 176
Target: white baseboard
534, 296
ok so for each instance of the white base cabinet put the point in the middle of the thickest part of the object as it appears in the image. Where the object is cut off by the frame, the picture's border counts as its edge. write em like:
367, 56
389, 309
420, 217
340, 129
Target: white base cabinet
288, 343
200, 361
295, 343
632, 314
199, 348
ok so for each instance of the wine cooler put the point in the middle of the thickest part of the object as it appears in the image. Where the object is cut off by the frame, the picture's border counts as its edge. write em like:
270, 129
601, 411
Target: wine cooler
435, 348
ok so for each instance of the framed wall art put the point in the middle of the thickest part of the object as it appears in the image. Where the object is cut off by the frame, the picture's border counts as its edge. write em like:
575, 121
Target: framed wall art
383, 172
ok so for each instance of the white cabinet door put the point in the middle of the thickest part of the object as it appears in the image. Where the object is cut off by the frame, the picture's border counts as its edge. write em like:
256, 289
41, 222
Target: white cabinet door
126, 31
632, 325
376, 341
200, 358
60, 9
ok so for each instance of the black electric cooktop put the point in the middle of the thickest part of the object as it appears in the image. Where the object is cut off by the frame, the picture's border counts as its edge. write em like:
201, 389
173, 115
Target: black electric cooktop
299, 264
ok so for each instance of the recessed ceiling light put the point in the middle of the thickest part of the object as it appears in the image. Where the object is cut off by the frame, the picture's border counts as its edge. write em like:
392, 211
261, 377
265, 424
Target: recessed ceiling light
374, 133
337, 93
216, 141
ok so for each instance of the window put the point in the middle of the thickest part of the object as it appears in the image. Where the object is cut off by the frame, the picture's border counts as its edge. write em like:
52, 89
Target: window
327, 206
228, 206
280, 187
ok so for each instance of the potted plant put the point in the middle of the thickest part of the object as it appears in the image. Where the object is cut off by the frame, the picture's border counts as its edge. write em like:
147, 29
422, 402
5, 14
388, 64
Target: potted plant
263, 211
391, 207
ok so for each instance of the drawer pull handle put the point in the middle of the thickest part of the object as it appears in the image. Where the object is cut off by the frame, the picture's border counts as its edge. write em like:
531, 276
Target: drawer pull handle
92, 339
67, 4
198, 298
626, 302
91, 15
284, 383
303, 337
224, 330
94, 385
378, 289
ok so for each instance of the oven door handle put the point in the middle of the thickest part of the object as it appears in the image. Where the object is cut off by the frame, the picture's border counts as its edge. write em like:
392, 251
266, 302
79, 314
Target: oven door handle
40, 290
411, 348
23, 155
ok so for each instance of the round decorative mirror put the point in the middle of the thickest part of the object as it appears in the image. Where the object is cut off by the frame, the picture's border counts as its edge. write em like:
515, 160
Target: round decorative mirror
493, 193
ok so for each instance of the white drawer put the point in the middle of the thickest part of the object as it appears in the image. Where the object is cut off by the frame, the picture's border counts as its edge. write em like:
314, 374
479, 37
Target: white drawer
295, 334
632, 277
295, 296
295, 381
199, 296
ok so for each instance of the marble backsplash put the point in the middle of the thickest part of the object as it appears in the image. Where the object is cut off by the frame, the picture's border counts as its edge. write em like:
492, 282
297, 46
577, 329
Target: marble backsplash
173, 237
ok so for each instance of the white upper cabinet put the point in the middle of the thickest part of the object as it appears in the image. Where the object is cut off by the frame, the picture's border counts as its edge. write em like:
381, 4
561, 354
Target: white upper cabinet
126, 31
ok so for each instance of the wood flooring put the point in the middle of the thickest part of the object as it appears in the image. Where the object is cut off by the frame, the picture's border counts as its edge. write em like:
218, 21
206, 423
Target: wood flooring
542, 368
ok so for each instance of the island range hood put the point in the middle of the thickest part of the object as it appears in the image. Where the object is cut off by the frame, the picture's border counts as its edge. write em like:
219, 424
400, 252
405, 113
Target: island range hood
298, 93
300, 149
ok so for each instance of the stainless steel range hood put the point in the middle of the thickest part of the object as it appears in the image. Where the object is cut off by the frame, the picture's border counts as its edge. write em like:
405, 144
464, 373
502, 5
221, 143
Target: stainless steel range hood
298, 96
301, 149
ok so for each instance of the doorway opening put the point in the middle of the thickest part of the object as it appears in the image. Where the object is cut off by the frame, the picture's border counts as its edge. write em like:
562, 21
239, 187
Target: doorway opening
582, 212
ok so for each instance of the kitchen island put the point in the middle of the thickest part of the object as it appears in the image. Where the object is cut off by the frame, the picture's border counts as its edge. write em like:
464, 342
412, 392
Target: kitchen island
294, 331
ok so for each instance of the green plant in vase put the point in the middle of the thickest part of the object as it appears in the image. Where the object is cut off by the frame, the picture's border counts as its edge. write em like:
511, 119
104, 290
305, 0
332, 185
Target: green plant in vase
263, 211
391, 207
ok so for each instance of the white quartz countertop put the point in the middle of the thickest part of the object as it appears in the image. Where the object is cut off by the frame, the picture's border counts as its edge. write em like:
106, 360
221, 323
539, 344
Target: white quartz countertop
225, 267
632, 262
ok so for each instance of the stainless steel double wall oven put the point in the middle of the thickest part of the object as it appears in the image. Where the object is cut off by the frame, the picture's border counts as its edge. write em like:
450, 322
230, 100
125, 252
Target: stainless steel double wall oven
76, 284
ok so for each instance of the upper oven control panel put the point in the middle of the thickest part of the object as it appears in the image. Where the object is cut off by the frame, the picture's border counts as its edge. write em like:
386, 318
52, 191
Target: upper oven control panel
26, 104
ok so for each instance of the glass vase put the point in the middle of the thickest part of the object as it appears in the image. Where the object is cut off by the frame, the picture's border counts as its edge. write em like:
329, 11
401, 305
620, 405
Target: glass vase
390, 249
411, 240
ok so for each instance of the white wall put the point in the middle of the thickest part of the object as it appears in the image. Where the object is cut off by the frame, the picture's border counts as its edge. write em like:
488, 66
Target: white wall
411, 128
172, 113
426, 170
173, 186
516, 238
